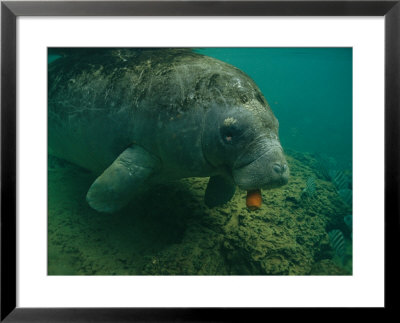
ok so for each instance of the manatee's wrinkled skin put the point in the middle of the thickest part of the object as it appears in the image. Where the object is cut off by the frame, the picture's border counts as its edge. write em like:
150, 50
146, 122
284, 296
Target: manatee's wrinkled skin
137, 117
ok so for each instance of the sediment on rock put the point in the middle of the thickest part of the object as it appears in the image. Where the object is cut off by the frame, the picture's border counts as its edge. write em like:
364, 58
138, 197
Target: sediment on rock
169, 231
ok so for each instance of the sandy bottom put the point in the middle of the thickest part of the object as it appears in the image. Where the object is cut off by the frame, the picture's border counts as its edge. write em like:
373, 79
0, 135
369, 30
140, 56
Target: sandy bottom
169, 230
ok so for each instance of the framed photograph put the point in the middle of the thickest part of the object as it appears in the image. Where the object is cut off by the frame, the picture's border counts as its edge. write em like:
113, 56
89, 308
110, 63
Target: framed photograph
162, 159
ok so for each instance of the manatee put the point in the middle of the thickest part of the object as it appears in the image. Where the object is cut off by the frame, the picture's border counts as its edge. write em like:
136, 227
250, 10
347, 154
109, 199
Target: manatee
138, 117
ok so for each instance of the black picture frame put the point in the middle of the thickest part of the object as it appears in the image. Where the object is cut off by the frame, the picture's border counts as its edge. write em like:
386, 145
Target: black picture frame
10, 10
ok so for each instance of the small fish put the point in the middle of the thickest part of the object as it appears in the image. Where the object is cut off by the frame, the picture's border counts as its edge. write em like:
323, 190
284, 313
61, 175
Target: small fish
337, 242
348, 220
309, 190
346, 195
339, 179
324, 165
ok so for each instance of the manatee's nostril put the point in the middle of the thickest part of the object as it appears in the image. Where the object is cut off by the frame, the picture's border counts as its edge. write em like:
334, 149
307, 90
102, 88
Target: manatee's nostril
277, 168
284, 168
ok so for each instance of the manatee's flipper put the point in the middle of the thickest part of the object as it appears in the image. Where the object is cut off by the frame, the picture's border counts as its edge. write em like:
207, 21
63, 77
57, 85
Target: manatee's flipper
220, 190
115, 187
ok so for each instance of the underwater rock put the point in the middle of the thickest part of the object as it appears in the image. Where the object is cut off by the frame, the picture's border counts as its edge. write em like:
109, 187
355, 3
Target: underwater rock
328, 267
285, 236
179, 235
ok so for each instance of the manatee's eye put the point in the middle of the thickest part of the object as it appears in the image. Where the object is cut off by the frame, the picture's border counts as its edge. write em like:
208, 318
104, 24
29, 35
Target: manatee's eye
230, 134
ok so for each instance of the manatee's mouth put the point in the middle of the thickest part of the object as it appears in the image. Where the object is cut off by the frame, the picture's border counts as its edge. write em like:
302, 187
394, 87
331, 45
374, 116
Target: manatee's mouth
267, 171
262, 186
271, 148
275, 184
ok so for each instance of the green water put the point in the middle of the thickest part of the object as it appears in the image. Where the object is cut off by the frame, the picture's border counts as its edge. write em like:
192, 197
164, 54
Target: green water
169, 230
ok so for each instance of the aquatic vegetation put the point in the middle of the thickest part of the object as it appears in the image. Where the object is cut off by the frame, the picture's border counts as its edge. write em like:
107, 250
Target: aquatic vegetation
337, 242
309, 190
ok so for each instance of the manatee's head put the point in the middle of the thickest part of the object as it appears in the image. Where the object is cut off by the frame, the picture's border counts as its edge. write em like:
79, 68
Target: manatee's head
241, 137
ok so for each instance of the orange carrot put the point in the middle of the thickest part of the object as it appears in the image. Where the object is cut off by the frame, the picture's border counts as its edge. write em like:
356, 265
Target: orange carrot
253, 199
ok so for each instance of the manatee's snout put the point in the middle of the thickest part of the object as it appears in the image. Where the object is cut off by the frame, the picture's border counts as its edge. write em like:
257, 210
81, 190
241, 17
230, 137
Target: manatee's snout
276, 172
269, 170
279, 168
280, 173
